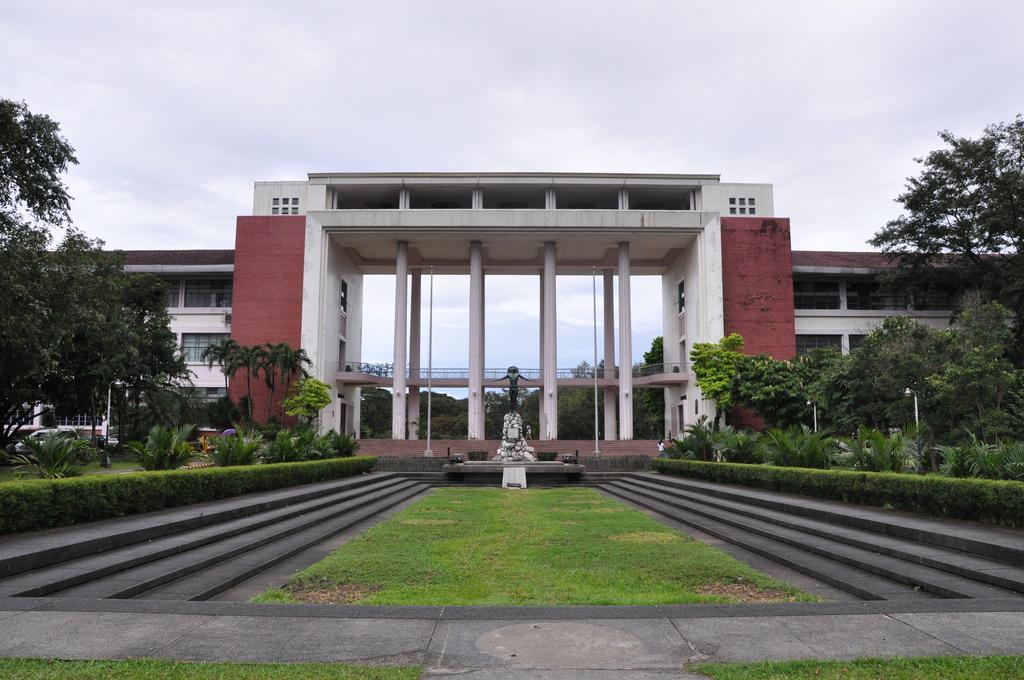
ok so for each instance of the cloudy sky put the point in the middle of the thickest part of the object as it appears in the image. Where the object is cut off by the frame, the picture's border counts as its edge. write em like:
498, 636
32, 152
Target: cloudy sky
176, 108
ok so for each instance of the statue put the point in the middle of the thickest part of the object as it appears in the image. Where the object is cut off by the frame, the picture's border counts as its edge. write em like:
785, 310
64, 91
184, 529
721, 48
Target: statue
513, 448
513, 378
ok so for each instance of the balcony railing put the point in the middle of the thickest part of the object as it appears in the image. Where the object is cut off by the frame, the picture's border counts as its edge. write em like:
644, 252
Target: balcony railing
384, 370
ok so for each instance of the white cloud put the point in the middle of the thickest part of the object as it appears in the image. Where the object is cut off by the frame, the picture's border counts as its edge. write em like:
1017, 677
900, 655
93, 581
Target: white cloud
176, 108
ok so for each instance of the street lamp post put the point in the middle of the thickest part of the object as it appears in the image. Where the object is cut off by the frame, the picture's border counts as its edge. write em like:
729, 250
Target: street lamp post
105, 460
907, 393
814, 407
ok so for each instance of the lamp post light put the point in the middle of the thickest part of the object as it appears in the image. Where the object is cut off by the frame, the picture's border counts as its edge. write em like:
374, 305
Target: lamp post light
105, 460
907, 393
814, 407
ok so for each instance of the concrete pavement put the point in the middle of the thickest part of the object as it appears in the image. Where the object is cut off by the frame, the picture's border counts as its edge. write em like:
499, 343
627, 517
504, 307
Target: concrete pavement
634, 643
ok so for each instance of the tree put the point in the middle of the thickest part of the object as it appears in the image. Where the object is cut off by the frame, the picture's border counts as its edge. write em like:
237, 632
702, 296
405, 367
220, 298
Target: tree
225, 355
651, 400
251, 358
714, 364
963, 224
309, 396
774, 389
33, 202
291, 362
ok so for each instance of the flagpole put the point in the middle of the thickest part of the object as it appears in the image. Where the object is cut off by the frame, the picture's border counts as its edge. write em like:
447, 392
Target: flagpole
593, 282
430, 363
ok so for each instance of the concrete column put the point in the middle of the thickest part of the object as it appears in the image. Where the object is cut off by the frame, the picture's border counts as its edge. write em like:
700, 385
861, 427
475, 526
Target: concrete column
550, 396
611, 432
398, 398
625, 347
413, 407
476, 340
543, 420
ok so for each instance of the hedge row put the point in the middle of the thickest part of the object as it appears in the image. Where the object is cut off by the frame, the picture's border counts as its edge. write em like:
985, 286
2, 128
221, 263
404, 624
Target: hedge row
44, 503
985, 500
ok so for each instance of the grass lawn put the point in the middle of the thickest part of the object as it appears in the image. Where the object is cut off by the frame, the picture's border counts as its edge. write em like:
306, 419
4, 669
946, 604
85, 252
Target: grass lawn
11, 474
535, 547
937, 668
148, 669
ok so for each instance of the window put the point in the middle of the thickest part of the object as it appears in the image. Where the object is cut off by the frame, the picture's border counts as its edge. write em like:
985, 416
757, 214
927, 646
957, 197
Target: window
732, 211
682, 296
809, 343
343, 296
938, 300
208, 293
274, 211
856, 341
18, 417
866, 295
815, 294
277, 201
284, 200
732, 201
213, 393
743, 201
173, 293
193, 345
295, 210
77, 420
752, 211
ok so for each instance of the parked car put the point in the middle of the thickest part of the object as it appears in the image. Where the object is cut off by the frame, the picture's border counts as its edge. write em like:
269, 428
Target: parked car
20, 448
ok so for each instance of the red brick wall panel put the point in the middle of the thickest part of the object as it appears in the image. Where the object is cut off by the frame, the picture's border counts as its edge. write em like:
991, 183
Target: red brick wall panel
757, 284
267, 298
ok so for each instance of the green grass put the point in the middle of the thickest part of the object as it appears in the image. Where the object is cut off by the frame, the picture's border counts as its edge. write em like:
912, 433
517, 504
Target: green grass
937, 668
533, 547
12, 474
148, 669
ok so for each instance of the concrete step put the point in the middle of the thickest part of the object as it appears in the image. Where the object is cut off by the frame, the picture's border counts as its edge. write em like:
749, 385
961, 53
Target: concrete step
129, 582
27, 551
857, 582
206, 583
941, 583
1004, 544
978, 568
61, 576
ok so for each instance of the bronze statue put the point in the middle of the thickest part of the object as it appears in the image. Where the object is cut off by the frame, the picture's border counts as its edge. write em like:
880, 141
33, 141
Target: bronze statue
513, 378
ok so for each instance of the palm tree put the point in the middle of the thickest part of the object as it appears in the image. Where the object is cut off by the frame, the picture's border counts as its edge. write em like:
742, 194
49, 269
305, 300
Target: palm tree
290, 362
269, 365
225, 355
251, 358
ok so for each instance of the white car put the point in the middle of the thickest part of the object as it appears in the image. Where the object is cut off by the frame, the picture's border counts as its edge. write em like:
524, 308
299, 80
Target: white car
20, 448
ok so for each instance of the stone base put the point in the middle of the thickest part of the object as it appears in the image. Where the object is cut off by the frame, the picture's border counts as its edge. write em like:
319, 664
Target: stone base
489, 472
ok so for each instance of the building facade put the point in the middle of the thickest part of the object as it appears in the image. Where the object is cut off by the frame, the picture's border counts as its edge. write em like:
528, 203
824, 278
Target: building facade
724, 258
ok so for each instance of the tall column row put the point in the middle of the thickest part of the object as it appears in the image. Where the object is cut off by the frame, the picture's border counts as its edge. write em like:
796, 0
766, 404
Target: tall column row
405, 399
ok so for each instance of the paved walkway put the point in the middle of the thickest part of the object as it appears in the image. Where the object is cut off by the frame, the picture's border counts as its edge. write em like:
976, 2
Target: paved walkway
633, 643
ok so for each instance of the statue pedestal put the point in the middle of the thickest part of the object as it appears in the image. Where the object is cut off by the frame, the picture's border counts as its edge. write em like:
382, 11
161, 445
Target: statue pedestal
514, 448
513, 478
492, 473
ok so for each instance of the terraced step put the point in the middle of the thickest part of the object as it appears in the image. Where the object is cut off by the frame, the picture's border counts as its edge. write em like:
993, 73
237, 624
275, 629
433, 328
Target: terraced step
978, 568
932, 580
1003, 544
128, 582
73, 572
862, 584
207, 583
25, 552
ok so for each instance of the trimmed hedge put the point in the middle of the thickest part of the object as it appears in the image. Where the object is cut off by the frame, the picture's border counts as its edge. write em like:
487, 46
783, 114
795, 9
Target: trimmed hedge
44, 503
985, 500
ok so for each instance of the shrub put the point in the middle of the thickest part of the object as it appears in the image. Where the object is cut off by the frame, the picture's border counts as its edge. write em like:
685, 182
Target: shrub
798, 447
999, 502
737, 446
975, 458
166, 448
698, 444
53, 456
476, 455
39, 504
237, 449
547, 455
285, 447
872, 451
334, 445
